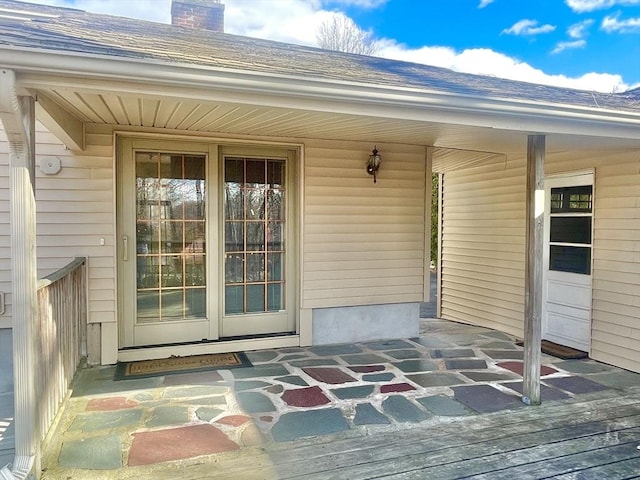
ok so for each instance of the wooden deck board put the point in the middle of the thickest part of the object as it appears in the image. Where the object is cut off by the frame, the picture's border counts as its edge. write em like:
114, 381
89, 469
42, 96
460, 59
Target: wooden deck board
535, 442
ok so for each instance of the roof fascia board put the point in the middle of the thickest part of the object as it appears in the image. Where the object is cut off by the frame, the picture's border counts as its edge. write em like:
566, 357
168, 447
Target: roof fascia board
42, 69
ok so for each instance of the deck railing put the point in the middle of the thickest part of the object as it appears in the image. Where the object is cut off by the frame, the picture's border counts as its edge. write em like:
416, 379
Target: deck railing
61, 339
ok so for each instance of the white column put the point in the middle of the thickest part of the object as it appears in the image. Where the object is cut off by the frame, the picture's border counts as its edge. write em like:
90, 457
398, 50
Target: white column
18, 118
533, 269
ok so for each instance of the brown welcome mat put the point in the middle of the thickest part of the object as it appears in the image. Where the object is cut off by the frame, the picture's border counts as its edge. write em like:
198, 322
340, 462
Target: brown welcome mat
559, 351
174, 365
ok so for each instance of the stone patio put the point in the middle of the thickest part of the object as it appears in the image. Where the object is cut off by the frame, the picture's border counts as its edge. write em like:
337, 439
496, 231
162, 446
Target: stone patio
118, 429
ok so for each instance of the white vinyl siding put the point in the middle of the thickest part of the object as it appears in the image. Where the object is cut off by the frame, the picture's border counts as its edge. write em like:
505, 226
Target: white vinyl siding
363, 243
483, 246
616, 264
75, 211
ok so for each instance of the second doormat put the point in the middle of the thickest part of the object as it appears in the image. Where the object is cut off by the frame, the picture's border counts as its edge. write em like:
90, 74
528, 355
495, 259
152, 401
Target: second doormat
559, 351
174, 365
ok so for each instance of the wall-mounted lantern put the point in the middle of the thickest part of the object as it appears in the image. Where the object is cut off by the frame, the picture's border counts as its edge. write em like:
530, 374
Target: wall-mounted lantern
373, 164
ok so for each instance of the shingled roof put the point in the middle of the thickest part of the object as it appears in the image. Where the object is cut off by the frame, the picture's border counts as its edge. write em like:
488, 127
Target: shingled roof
68, 30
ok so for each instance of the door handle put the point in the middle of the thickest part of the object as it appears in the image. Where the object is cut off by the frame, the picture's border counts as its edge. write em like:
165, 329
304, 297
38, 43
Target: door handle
125, 243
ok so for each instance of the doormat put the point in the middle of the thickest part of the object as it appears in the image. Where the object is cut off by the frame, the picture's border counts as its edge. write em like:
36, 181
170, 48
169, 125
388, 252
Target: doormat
175, 365
559, 351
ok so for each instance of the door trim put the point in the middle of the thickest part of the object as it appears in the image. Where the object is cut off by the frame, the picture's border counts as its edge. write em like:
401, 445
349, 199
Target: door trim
201, 144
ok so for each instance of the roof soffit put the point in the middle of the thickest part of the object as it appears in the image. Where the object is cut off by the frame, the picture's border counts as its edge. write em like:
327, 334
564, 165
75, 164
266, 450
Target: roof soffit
90, 74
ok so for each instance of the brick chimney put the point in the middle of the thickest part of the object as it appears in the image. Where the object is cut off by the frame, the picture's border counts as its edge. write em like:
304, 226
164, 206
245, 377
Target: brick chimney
203, 14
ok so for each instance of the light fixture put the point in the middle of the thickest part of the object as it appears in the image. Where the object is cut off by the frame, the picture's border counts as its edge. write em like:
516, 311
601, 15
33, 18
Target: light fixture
373, 164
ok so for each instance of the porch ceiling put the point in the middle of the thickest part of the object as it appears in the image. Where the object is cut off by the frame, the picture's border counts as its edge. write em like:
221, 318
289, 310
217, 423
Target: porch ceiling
194, 116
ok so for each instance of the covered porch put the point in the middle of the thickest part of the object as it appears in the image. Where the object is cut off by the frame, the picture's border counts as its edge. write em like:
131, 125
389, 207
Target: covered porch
443, 405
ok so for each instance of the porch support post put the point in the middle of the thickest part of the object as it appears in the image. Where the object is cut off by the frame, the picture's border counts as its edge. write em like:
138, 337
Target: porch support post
18, 118
533, 269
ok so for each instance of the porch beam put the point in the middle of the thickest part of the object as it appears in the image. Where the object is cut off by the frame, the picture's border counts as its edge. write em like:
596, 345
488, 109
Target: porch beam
18, 119
533, 269
67, 128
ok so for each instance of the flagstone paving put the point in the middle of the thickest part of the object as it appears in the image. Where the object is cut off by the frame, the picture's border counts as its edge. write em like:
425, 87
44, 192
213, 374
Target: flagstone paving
451, 370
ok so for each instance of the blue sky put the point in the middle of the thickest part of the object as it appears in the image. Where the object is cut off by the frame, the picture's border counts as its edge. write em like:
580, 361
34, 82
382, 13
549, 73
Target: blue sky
586, 44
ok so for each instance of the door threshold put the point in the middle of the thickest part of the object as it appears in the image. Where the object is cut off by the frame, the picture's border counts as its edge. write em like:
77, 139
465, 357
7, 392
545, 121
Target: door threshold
202, 348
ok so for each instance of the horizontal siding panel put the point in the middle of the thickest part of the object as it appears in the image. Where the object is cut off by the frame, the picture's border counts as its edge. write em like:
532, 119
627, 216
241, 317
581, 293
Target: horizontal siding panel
360, 274
373, 264
628, 266
629, 309
486, 296
359, 192
409, 229
604, 247
628, 359
483, 235
486, 286
336, 293
616, 273
363, 255
387, 282
614, 203
471, 315
358, 238
76, 207
497, 276
352, 301
504, 240
615, 224
603, 286
489, 247
363, 243
479, 261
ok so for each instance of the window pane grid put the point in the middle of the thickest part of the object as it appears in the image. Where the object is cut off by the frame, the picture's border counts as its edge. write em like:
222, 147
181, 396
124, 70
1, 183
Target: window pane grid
254, 235
170, 236
570, 232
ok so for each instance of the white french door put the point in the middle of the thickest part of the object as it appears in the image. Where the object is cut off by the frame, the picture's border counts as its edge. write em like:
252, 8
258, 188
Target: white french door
204, 242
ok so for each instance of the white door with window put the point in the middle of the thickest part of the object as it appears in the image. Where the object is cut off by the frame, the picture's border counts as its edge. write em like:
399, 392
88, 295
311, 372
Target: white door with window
568, 260
205, 244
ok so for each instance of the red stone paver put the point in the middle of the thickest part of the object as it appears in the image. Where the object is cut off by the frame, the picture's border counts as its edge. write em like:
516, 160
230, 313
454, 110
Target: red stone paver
305, 397
332, 376
234, 420
518, 367
396, 387
110, 403
266, 418
177, 444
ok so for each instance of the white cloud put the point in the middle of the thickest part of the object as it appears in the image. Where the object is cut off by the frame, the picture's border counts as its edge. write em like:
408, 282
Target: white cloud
578, 30
484, 3
581, 6
611, 24
367, 4
528, 27
482, 61
562, 46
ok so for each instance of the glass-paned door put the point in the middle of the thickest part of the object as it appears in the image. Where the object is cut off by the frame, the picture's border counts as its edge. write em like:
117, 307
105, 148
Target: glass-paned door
255, 245
171, 251
164, 217
205, 242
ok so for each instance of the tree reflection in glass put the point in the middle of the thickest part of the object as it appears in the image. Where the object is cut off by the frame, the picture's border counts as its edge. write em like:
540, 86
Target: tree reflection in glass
254, 212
